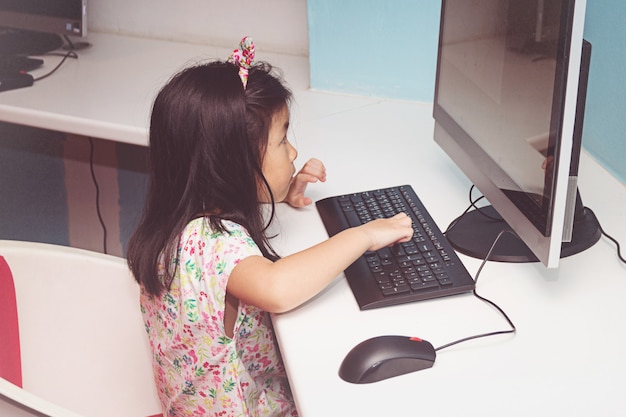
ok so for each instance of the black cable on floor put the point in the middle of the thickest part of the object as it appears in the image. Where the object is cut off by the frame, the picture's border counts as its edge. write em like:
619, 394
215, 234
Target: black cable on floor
95, 182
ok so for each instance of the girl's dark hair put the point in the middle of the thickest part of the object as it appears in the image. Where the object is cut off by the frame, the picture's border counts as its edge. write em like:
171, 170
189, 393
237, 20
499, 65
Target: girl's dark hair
207, 140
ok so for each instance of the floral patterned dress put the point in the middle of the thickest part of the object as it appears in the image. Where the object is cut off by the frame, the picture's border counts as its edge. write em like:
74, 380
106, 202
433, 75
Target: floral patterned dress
199, 370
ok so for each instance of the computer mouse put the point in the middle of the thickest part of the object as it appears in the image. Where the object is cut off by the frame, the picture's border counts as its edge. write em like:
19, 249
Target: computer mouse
383, 357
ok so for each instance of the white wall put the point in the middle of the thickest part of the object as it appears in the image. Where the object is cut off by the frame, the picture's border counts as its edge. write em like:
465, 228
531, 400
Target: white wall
276, 25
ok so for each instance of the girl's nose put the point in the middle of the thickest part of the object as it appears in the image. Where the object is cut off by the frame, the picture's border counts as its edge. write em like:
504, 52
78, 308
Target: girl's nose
293, 152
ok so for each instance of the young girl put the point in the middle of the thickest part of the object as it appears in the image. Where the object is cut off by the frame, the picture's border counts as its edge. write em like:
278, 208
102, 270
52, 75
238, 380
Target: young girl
208, 275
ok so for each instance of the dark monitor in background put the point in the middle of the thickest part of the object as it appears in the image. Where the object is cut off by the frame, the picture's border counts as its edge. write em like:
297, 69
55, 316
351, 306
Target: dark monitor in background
35, 27
509, 106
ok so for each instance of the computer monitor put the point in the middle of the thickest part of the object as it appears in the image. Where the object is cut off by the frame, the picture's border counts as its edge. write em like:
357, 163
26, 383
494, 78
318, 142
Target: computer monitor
509, 106
34, 27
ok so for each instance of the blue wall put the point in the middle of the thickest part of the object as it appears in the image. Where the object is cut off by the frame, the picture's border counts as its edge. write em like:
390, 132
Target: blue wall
371, 47
389, 49
605, 116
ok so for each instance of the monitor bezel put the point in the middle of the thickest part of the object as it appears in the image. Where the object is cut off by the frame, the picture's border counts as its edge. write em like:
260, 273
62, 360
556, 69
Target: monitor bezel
545, 242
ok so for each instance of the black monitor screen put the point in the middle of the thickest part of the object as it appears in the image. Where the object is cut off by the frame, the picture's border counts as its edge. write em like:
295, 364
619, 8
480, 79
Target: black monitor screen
63, 9
498, 78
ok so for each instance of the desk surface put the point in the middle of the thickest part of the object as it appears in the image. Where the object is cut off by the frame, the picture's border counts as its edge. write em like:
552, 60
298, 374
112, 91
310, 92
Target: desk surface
567, 357
108, 91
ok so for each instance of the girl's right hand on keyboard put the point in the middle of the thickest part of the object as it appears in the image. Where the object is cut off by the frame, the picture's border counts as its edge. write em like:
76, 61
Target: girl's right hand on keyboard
386, 232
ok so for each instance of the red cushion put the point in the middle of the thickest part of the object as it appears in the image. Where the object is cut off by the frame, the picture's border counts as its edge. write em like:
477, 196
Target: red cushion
10, 359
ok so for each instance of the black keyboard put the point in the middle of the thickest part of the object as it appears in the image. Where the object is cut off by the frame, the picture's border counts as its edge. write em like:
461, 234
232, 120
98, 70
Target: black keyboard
14, 64
424, 268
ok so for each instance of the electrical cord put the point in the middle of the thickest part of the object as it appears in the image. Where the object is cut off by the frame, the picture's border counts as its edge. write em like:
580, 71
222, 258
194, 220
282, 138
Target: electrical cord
71, 54
68, 54
611, 238
513, 329
472, 205
502, 312
95, 183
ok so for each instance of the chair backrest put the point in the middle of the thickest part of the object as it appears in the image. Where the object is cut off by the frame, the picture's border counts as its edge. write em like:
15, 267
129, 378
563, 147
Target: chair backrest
10, 368
82, 340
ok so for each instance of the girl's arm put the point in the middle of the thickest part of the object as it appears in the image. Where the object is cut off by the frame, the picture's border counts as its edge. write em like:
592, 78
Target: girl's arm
280, 286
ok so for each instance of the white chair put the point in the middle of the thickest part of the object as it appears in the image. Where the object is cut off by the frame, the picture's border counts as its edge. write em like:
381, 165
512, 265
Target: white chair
79, 348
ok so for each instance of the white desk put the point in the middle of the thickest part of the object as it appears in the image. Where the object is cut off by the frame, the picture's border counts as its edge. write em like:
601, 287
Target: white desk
568, 355
108, 91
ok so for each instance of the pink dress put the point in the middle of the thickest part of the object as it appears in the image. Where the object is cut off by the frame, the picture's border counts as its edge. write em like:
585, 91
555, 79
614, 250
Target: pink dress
199, 370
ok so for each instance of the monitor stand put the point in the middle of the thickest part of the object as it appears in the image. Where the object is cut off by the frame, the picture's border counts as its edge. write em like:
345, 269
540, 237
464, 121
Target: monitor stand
25, 42
475, 232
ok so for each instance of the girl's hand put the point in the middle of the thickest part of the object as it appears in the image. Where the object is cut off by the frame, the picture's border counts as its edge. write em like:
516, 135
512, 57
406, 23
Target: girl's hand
386, 232
313, 171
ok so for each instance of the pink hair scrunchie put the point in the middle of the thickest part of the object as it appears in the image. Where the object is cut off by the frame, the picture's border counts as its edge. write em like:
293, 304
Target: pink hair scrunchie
243, 57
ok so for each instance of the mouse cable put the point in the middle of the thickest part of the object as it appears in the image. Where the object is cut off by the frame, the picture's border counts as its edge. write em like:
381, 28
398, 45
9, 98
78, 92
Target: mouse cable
513, 329
611, 238
68, 54
472, 204
95, 183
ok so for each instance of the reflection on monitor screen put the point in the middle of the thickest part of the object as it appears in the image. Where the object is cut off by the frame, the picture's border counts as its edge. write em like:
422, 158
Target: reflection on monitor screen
509, 107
